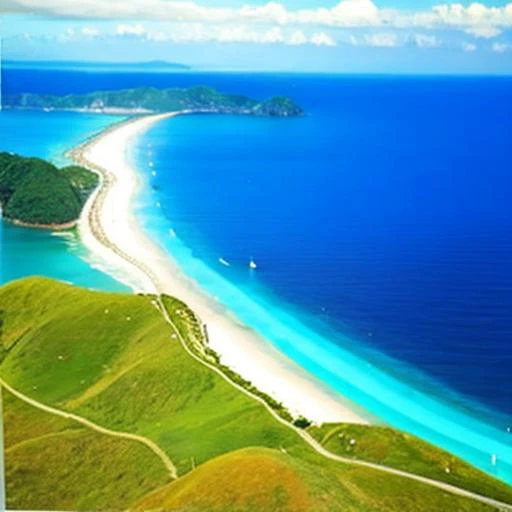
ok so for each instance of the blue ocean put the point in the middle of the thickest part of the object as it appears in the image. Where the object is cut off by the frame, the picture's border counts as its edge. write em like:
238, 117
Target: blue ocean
380, 224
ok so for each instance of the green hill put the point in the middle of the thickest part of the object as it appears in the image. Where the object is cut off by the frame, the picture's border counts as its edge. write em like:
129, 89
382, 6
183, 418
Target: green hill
35, 192
112, 359
53, 463
151, 99
258, 479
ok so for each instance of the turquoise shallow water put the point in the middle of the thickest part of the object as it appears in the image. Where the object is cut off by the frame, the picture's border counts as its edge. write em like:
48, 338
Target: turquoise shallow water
48, 134
28, 252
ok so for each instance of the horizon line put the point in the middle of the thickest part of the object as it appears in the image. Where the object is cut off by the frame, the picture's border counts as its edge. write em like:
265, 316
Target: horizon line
178, 67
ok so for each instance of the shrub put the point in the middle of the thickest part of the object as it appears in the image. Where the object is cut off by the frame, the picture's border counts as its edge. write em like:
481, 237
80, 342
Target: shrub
302, 422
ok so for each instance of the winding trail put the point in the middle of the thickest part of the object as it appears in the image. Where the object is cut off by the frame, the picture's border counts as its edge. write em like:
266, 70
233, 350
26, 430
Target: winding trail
96, 201
169, 466
313, 443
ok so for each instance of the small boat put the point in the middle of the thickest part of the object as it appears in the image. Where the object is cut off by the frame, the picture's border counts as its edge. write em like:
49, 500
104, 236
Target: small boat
153, 173
224, 262
252, 265
150, 164
158, 205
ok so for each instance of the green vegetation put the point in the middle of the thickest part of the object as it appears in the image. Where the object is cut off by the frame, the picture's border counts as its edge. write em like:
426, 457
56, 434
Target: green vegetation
188, 325
403, 451
82, 180
279, 106
302, 422
112, 359
35, 192
256, 479
119, 367
51, 460
150, 99
238, 481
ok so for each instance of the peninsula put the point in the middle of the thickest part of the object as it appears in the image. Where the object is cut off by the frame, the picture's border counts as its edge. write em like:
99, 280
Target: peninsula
35, 193
150, 100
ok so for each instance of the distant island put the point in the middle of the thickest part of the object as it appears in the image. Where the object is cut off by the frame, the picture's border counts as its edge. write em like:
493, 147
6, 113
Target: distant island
149, 100
80, 65
35, 193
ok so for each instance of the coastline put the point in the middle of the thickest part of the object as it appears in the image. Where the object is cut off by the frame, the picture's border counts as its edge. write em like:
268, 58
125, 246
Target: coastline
52, 227
104, 111
109, 229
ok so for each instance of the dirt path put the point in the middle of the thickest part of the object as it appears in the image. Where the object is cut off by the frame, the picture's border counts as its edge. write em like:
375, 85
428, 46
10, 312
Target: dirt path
498, 505
171, 469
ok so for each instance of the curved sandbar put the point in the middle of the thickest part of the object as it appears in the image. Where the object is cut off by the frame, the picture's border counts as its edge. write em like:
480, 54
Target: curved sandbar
109, 228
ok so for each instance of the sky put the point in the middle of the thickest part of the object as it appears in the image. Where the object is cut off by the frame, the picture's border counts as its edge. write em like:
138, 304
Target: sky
352, 36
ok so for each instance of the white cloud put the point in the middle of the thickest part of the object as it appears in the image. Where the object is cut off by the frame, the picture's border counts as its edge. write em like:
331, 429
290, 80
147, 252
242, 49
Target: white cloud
136, 30
297, 38
381, 40
346, 13
158, 37
394, 39
71, 34
272, 36
457, 14
484, 32
272, 12
469, 47
237, 34
425, 41
501, 47
90, 32
275, 23
244, 34
66, 36
322, 39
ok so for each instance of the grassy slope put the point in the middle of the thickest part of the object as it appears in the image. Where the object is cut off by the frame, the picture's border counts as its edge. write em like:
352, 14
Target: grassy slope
256, 479
111, 358
53, 463
125, 374
402, 451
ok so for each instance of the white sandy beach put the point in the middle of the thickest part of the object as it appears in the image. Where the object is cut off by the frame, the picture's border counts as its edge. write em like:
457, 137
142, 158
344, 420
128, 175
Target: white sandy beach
110, 212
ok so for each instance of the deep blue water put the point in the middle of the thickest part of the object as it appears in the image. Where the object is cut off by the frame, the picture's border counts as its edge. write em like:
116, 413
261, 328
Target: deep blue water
381, 220
405, 246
